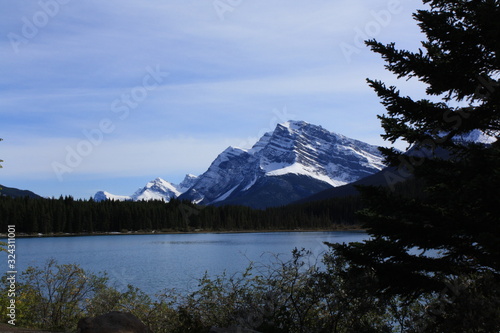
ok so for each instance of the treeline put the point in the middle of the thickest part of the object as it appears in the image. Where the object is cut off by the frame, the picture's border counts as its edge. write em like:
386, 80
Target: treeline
67, 215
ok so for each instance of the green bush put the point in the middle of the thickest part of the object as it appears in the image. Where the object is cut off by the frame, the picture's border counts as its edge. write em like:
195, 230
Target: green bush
298, 295
53, 297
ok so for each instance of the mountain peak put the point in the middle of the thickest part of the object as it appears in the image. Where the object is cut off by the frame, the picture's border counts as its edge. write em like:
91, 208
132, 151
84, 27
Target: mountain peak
157, 182
188, 181
295, 160
294, 124
158, 189
294, 150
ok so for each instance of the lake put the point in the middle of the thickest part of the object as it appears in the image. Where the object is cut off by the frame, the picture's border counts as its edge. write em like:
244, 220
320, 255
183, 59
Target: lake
159, 261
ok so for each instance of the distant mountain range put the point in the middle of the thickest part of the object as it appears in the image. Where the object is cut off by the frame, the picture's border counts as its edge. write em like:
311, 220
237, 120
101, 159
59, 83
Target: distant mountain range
157, 189
390, 176
17, 193
297, 162
293, 162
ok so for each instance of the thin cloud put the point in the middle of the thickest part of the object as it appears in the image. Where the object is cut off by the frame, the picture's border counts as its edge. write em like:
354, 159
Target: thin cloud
227, 73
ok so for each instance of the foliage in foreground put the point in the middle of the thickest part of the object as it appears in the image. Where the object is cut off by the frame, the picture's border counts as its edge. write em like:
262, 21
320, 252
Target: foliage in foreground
457, 212
301, 294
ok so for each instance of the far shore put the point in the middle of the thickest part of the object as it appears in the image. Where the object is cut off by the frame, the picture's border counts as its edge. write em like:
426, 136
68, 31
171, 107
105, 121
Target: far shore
174, 232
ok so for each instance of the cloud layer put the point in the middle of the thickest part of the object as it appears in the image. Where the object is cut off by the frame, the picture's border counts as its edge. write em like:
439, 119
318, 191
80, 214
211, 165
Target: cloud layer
226, 71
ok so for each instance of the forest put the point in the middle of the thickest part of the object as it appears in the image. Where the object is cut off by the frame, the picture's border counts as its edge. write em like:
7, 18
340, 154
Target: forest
67, 215
35, 215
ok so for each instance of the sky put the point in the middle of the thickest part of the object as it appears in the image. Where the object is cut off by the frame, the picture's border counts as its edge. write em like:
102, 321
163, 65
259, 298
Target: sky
108, 95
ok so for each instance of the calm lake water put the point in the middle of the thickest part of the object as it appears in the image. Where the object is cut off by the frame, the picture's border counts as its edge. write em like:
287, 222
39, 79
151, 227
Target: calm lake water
156, 262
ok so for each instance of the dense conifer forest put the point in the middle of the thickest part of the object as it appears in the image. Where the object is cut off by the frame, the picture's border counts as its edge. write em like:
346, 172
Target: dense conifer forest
67, 215
33, 215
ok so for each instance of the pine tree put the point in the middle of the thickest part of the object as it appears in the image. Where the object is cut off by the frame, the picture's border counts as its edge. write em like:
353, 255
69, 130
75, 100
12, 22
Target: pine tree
453, 227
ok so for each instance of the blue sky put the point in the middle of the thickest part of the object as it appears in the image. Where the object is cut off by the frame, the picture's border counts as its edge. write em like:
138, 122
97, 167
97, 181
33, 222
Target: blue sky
107, 95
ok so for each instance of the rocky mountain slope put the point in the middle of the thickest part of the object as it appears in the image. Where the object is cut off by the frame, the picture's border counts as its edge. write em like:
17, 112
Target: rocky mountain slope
292, 162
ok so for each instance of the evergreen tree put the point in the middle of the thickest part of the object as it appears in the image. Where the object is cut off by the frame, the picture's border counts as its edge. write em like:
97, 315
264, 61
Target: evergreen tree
420, 243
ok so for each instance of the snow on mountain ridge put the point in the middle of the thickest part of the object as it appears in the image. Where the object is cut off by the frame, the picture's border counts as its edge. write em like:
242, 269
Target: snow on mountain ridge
186, 184
295, 160
103, 195
293, 148
304, 145
231, 168
157, 189
476, 136
261, 143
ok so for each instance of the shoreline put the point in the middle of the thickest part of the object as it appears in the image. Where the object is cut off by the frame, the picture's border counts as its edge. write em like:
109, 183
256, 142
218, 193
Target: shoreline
174, 232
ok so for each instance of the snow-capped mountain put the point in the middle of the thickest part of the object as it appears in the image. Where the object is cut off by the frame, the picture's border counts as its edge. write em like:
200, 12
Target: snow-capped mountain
475, 136
296, 160
103, 196
158, 189
292, 162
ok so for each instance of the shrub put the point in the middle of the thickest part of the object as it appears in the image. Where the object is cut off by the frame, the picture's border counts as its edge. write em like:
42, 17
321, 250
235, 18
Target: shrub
54, 297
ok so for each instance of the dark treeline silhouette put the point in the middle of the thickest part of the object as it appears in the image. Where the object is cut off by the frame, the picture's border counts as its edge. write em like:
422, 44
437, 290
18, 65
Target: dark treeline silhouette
68, 215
